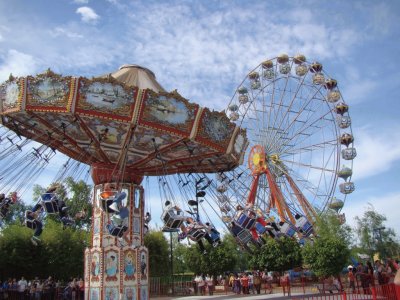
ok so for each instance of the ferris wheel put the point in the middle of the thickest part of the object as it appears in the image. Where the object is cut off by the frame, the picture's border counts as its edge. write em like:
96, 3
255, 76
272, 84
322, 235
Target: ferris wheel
300, 154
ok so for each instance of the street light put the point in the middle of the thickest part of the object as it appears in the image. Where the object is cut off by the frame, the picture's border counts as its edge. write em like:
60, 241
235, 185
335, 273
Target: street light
170, 230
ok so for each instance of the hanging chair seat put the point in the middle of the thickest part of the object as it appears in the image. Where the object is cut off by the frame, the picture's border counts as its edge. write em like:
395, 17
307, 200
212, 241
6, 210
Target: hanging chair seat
246, 219
215, 238
244, 236
50, 206
196, 233
30, 221
117, 231
260, 228
304, 226
172, 219
287, 229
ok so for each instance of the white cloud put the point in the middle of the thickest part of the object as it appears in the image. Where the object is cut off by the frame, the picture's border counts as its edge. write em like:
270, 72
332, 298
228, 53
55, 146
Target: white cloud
59, 31
377, 150
88, 15
81, 1
17, 63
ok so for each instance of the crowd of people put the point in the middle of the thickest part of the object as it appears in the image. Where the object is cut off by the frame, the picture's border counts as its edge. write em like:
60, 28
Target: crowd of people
238, 283
38, 289
366, 275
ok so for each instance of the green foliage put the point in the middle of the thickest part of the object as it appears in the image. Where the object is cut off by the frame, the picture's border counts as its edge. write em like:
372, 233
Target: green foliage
373, 236
217, 260
60, 253
326, 256
278, 255
329, 253
158, 247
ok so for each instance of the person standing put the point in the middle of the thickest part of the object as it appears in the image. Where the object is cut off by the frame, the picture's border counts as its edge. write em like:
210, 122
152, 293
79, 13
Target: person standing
201, 284
210, 284
351, 278
251, 282
244, 281
257, 281
22, 284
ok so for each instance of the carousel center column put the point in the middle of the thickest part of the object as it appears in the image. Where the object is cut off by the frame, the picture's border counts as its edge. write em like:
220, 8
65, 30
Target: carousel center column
116, 265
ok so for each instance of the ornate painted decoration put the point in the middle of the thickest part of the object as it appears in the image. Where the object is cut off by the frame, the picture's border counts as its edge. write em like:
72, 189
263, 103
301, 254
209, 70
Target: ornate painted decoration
48, 92
10, 95
106, 98
168, 111
215, 129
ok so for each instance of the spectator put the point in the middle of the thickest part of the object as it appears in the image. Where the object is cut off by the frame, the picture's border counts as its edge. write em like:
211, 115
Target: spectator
210, 284
257, 281
48, 288
194, 283
244, 281
251, 282
201, 284
22, 285
32, 290
81, 287
236, 284
380, 270
351, 278
38, 290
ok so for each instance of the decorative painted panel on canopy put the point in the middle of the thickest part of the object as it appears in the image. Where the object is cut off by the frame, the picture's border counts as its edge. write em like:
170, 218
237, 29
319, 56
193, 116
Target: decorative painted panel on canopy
106, 121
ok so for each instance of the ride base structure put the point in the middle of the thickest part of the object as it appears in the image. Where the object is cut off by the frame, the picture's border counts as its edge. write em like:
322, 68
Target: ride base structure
116, 263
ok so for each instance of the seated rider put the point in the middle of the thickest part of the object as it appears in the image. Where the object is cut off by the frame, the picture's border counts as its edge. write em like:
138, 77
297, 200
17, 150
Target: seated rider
32, 221
110, 192
147, 219
195, 231
5, 202
172, 216
212, 235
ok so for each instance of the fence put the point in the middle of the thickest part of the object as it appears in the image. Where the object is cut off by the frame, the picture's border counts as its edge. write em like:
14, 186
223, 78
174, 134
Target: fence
381, 292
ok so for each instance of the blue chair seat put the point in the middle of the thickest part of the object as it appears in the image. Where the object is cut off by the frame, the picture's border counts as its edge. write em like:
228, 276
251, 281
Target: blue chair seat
117, 230
50, 206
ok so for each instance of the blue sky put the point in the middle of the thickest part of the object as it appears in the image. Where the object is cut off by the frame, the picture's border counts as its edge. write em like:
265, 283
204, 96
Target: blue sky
205, 49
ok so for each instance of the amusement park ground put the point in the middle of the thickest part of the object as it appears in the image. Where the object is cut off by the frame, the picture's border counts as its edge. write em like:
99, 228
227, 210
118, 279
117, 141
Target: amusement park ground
277, 296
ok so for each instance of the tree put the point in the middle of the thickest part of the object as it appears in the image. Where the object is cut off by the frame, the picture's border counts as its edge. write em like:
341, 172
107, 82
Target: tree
329, 252
278, 255
158, 247
60, 253
217, 260
373, 236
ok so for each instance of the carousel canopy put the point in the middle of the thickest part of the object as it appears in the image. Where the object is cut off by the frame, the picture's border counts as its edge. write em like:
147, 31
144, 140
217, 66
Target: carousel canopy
121, 119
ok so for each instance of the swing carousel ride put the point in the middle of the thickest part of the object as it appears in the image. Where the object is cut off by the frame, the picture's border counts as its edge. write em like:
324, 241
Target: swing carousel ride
266, 166
124, 126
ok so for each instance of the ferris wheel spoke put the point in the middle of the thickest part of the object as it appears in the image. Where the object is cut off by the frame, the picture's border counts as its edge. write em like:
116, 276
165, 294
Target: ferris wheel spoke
298, 113
302, 131
309, 166
313, 147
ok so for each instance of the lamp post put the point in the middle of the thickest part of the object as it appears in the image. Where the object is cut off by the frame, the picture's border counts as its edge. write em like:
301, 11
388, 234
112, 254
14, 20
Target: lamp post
171, 256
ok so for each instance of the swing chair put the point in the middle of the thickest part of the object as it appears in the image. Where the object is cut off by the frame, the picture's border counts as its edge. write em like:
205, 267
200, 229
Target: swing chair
303, 225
